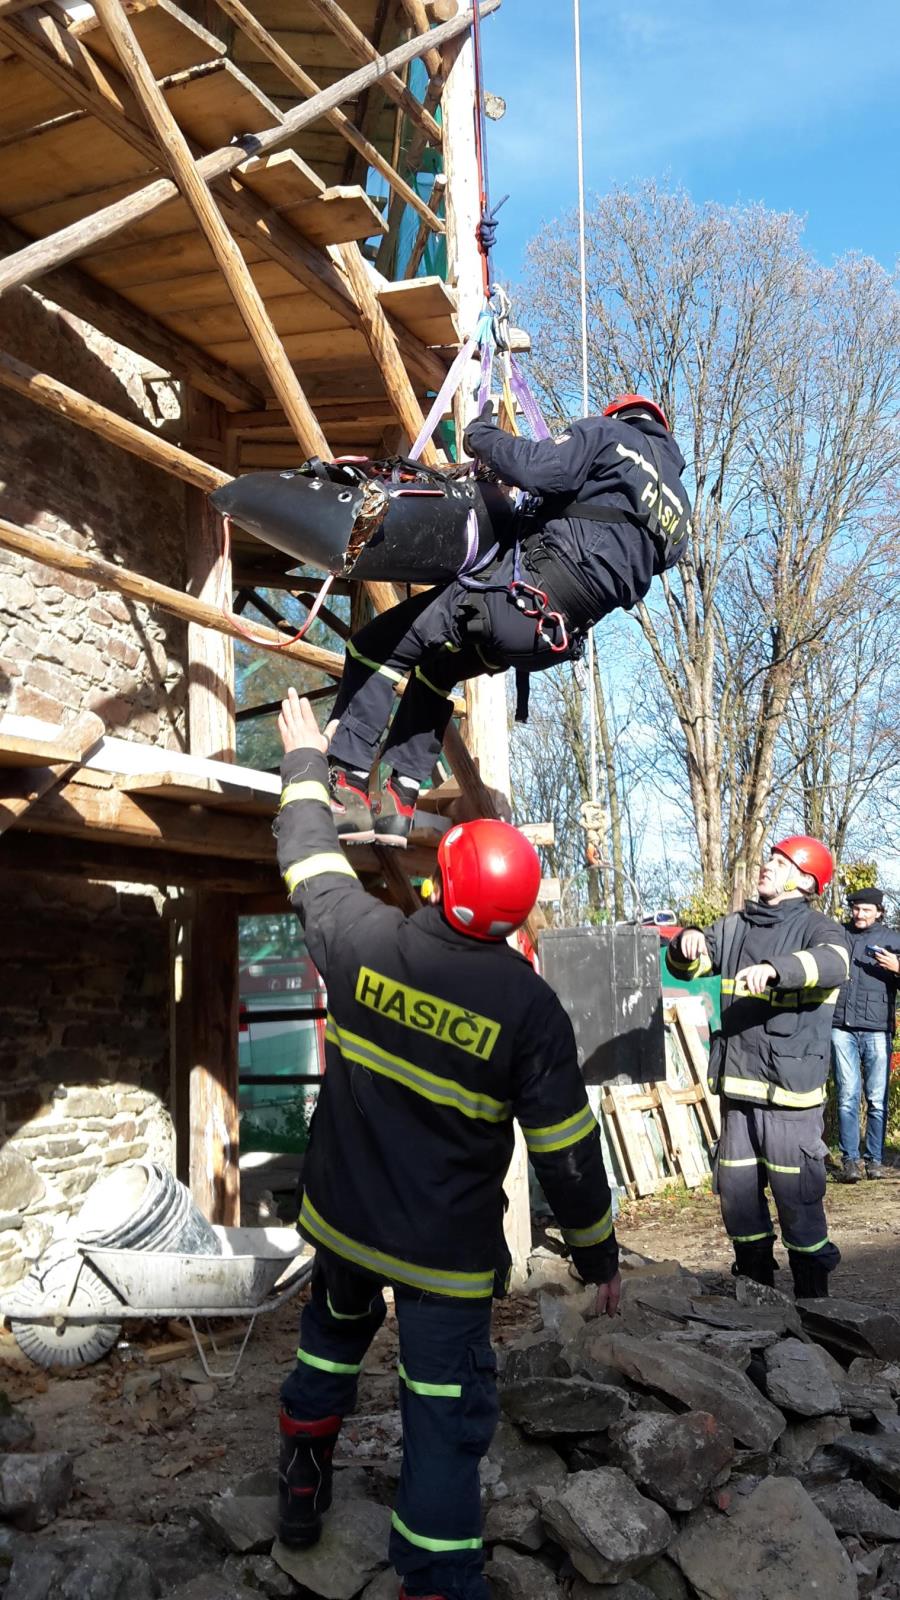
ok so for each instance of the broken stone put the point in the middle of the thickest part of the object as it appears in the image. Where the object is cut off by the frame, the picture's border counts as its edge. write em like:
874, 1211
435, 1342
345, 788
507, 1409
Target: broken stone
801, 1440
34, 1488
213, 1586
631, 1589
609, 1530
699, 1381
545, 1267
852, 1508
82, 1568
664, 1580
137, 1385
886, 1421
384, 1587
16, 1432
262, 1482
849, 1325
726, 1344
261, 1574
674, 1459
776, 1546
877, 1453
20, 1183
353, 1547
799, 1378
546, 1407
516, 1577
534, 1356
243, 1523
873, 1374
514, 1521
560, 1315
512, 1467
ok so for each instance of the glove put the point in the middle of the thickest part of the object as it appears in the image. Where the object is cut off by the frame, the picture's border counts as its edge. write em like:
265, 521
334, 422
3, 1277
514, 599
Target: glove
486, 414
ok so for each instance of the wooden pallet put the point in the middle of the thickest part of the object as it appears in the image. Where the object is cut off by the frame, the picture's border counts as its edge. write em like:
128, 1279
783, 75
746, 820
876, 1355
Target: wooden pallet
683, 1114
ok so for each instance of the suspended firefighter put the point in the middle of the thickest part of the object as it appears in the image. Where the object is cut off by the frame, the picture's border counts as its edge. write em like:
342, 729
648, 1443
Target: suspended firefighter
781, 964
606, 512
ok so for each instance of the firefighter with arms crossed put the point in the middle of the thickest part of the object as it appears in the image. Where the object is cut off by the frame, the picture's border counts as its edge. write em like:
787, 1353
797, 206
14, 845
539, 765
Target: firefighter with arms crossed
438, 1035
781, 964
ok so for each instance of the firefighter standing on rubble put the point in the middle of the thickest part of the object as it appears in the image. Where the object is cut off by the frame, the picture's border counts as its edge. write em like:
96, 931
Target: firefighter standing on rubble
781, 964
613, 513
438, 1034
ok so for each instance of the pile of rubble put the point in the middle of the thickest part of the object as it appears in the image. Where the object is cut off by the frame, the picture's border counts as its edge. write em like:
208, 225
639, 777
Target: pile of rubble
715, 1441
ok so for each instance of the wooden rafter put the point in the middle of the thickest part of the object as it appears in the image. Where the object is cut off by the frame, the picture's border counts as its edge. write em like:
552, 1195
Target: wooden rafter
243, 17
234, 269
343, 26
421, 239
115, 316
88, 233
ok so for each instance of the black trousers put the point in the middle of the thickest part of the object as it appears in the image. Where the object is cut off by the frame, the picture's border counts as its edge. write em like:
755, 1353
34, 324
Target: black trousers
448, 1408
436, 639
768, 1147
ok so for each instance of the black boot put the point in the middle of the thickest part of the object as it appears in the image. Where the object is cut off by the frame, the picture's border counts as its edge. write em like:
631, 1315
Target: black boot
755, 1259
810, 1277
304, 1477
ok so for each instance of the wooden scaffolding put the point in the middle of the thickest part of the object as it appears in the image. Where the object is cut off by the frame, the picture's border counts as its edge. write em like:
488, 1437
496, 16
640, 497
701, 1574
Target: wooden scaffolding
196, 182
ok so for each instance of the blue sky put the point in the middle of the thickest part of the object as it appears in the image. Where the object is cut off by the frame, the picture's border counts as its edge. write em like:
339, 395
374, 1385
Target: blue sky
796, 106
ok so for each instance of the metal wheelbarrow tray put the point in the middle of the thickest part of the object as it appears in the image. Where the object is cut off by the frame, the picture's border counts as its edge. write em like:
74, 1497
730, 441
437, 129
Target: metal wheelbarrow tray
70, 1309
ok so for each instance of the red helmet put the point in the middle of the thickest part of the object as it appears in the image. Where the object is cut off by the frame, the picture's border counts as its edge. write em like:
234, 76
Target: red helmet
809, 855
624, 402
491, 876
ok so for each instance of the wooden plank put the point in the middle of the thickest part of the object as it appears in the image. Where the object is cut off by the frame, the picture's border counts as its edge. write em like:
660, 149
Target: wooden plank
218, 104
19, 752
425, 306
634, 1140
340, 215
290, 314
697, 1057
362, 49
688, 1158
171, 40
73, 156
330, 348
179, 787
229, 259
108, 311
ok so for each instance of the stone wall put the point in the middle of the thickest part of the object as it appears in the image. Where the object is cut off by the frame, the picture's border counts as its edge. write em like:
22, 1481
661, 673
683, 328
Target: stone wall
84, 967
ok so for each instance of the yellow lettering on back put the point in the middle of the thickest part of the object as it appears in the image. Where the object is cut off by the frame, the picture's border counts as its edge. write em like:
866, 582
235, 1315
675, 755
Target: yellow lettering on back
427, 1013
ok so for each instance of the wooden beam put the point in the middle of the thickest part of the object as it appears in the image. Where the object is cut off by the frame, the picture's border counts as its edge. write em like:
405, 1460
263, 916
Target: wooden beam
421, 239
68, 403
304, 84
210, 653
64, 558
214, 1171
343, 26
86, 234
83, 856
231, 263
79, 737
116, 317
385, 348
420, 20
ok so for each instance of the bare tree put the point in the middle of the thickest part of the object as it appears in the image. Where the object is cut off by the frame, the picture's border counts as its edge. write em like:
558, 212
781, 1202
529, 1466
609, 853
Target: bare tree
782, 381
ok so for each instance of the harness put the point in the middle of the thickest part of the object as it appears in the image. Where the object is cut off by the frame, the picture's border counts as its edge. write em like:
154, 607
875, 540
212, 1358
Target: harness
649, 521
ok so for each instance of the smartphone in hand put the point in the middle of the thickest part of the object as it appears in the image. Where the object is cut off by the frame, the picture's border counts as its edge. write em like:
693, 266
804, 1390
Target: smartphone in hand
875, 950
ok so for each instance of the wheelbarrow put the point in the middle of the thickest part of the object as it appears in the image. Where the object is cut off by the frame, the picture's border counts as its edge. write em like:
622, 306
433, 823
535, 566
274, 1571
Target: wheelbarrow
70, 1309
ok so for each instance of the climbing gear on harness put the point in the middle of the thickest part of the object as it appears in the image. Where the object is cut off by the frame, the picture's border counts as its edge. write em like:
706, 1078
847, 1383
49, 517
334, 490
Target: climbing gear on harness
629, 402
394, 814
809, 855
304, 1477
491, 876
350, 808
664, 523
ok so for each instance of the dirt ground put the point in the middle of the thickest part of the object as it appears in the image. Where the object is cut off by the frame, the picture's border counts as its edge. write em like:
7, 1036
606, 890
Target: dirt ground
153, 1438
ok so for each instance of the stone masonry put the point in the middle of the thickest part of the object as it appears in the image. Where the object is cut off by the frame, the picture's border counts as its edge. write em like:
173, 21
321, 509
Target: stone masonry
84, 967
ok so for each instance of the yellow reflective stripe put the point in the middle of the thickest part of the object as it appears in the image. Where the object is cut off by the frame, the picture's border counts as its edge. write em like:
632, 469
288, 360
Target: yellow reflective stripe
375, 666
582, 1238
841, 951
804, 1249
795, 999
328, 1366
810, 968
756, 1161
315, 866
422, 1012
693, 969
440, 1091
491, 665
422, 1541
790, 1097
755, 1089
306, 789
559, 1135
749, 1238
441, 693
752, 1088
773, 1166
457, 1285
448, 1391
347, 1316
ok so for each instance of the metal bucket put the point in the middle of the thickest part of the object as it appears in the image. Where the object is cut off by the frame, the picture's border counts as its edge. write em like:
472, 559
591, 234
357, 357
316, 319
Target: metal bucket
144, 1207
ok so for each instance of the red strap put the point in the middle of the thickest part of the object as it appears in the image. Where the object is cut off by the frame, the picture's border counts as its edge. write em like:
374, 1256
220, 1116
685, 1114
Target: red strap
308, 1430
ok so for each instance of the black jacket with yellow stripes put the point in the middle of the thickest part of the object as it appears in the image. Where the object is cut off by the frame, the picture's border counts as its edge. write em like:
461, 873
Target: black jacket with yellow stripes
774, 1047
434, 1042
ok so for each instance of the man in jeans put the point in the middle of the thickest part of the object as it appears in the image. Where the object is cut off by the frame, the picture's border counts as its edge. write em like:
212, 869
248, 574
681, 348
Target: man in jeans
863, 1025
